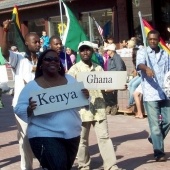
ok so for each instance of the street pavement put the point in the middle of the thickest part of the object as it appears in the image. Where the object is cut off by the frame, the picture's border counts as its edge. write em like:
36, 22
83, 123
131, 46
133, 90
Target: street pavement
128, 134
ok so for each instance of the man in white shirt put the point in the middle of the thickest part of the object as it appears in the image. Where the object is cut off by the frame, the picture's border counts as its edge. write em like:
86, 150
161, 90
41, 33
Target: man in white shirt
24, 66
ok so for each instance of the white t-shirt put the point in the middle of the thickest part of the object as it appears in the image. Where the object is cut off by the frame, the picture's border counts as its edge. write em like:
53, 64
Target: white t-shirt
23, 72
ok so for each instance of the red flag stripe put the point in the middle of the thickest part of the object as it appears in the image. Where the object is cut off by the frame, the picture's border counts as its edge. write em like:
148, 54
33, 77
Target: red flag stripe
161, 43
99, 28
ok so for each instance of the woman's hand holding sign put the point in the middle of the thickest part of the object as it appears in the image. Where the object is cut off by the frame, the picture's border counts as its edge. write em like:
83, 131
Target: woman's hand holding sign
86, 93
33, 104
31, 107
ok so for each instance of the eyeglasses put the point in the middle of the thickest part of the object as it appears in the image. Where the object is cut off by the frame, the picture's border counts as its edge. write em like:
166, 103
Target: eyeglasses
50, 59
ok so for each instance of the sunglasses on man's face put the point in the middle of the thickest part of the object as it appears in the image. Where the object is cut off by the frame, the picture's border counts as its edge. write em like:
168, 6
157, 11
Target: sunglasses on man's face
50, 59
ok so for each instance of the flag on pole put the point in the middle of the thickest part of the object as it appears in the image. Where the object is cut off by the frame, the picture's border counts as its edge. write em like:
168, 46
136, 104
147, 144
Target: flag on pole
146, 27
98, 27
162, 44
144, 34
18, 38
107, 29
74, 33
100, 30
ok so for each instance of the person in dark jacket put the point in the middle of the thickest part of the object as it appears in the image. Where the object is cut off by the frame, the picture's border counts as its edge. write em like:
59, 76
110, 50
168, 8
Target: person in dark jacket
115, 63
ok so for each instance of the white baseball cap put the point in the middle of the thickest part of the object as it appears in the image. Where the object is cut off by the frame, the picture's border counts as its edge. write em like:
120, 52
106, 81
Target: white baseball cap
85, 43
111, 47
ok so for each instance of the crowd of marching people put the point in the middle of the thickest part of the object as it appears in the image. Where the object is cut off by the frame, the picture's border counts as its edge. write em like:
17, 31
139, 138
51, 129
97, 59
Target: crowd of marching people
56, 138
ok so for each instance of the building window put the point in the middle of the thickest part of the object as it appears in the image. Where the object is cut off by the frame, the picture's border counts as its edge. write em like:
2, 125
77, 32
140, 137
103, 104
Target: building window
103, 18
56, 25
146, 11
37, 26
165, 11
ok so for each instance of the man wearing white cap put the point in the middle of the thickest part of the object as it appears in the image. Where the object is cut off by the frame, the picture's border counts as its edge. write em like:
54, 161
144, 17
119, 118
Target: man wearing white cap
115, 63
94, 115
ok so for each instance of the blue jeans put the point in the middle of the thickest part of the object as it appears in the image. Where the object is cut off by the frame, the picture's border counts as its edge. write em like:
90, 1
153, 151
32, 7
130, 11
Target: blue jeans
133, 84
158, 133
55, 153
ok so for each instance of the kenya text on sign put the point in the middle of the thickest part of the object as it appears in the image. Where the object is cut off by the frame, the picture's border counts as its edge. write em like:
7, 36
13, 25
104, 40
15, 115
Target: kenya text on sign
59, 98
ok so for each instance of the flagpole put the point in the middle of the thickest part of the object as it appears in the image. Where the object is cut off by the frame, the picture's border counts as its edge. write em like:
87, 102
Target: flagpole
90, 27
61, 16
143, 35
142, 28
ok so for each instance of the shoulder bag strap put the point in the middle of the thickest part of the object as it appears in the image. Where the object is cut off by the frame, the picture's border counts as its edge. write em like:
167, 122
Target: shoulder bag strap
150, 64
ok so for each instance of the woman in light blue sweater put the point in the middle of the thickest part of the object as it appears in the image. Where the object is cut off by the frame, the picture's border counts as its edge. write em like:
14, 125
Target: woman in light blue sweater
54, 137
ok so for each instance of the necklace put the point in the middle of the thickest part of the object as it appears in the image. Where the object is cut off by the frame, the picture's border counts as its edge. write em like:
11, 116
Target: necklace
34, 65
34, 62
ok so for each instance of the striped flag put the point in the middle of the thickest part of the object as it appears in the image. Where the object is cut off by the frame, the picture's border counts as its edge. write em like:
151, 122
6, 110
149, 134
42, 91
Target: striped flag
98, 27
74, 34
19, 40
15, 16
162, 44
146, 27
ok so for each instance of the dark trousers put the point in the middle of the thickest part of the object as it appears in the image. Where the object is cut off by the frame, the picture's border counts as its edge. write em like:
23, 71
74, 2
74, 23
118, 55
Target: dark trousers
55, 153
110, 98
1, 104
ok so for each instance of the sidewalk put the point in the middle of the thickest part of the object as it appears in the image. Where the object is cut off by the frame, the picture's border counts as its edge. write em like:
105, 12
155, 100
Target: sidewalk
129, 135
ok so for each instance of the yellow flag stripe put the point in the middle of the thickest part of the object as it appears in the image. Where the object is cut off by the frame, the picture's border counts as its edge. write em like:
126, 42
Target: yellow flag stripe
15, 12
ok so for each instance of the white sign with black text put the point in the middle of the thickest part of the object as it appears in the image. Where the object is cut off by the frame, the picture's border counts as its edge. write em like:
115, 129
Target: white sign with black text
59, 98
103, 80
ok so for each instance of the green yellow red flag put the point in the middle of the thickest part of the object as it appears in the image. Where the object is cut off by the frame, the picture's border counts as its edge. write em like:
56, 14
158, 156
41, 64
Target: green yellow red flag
147, 28
18, 38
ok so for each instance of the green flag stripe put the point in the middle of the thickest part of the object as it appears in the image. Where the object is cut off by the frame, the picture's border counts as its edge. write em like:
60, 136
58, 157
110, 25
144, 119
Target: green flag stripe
74, 34
18, 38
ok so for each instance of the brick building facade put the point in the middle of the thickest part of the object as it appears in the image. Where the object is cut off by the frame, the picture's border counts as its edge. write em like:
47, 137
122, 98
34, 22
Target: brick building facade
123, 15
42, 12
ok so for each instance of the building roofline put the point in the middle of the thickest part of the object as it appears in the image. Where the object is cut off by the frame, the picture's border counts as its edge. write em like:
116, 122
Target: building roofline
25, 7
